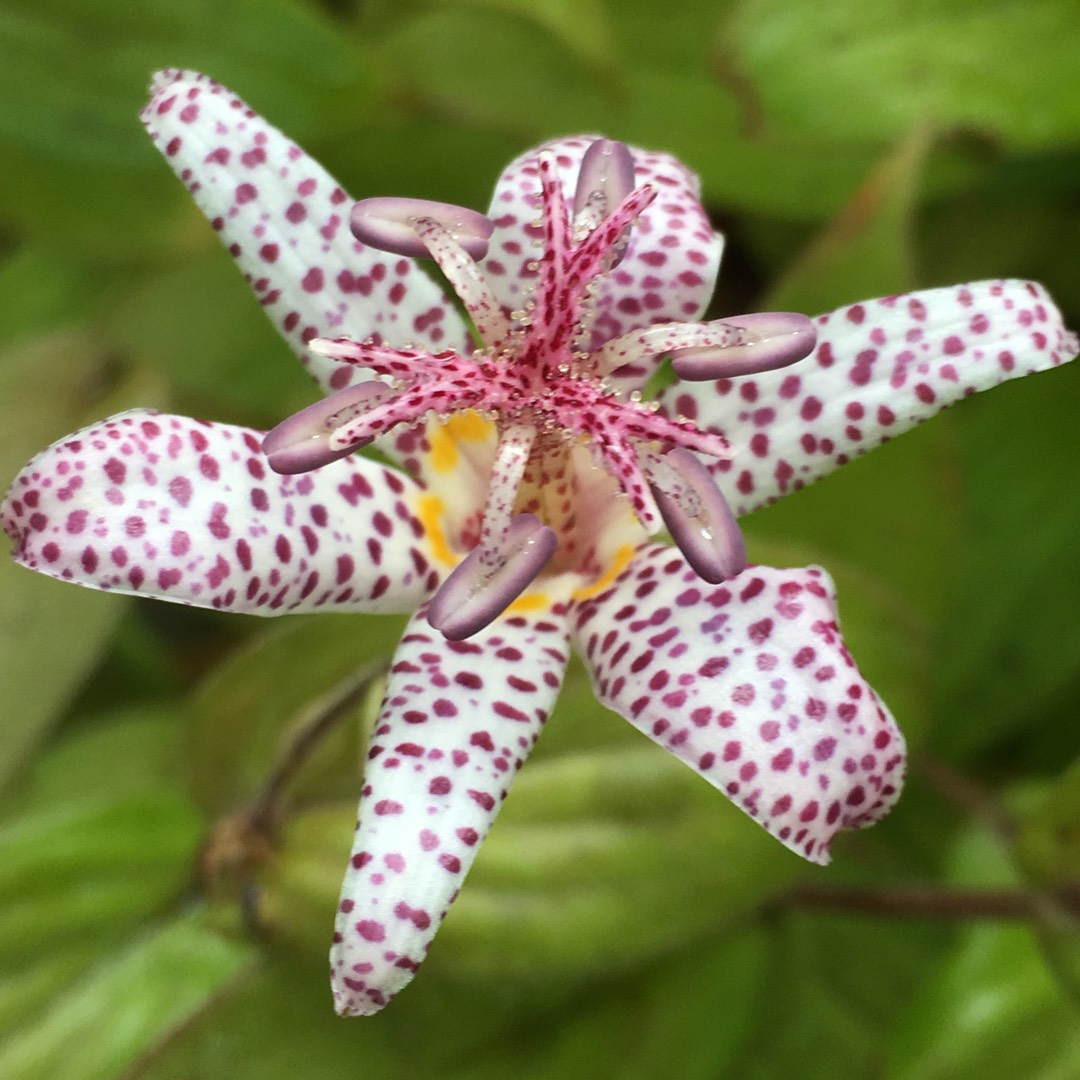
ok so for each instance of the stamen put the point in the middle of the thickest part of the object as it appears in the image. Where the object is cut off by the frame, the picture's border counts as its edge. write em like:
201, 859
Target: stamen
713, 338
457, 263
389, 224
772, 339
551, 319
698, 517
511, 458
614, 445
385, 360
438, 397
300, 443
606, 244
546, 392
487, 581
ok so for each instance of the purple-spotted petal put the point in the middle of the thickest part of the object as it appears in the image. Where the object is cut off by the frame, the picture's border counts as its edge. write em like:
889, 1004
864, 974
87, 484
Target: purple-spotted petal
181, 510
879, 368
286, 222
669, 269
750, 684
458, 720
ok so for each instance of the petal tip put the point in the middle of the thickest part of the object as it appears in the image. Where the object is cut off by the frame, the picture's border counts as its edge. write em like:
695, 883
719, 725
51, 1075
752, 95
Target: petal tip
165, 81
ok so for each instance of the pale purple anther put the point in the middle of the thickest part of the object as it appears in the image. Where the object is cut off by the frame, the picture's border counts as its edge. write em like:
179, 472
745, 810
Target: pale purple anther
488, 580
776, 339
698, 517
389, 224
605, 179
607, 175
301, 442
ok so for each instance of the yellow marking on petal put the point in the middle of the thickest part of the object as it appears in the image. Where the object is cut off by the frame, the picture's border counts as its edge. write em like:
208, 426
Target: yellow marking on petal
620, 562
467, 426
444, 451
533, 601
430, 510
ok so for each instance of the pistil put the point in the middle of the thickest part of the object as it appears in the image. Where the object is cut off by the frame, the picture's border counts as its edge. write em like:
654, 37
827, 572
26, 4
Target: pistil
534, 376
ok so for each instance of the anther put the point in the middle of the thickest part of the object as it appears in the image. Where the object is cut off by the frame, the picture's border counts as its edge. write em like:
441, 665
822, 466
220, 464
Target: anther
300, 443
698, 517
606, 178
389, 224
772, 339
488, 580
607, 168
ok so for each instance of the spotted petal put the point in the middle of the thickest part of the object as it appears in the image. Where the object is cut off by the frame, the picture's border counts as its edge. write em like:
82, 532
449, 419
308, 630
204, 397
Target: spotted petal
457, 722
668, 272
164, 506
286, 222
880, 367
750, 684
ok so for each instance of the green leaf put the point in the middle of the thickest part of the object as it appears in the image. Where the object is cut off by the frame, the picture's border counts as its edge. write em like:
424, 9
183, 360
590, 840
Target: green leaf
131, 751
227, 362
127, 1007
681, 109
993, 1012
1010, 642
830, 995
80, 869
1022, 221
245, 712
75, 77
684, 1017
678, 1018
77, 877
459, 62
580, 26
866, 251
51, 290
51, 634
860, 70
280, 1025
76, 871
615, 882
1048, 844
119, 212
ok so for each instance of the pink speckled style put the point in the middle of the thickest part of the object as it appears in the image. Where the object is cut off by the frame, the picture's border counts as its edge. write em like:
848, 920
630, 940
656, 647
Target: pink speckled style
532, 482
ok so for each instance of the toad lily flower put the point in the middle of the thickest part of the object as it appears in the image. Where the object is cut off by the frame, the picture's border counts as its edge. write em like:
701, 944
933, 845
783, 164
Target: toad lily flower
531, 478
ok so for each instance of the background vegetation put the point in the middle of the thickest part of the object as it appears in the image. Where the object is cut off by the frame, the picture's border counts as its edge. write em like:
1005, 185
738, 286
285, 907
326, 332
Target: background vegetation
166, 900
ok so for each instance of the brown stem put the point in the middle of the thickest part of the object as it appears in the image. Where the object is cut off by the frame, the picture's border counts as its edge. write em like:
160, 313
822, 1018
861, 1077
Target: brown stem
972, 798
316, 721
240, 843
917, 901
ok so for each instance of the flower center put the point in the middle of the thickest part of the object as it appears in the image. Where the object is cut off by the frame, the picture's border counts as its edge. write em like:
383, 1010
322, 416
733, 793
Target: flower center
536, 377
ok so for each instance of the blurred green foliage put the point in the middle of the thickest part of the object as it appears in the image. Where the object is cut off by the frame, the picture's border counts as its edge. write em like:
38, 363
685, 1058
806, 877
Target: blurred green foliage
849, 149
